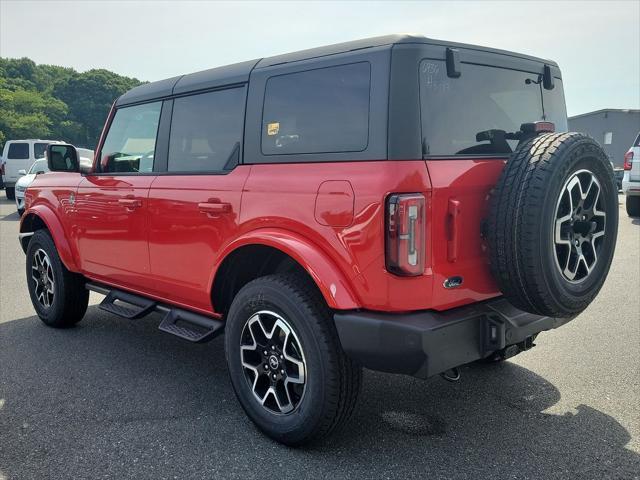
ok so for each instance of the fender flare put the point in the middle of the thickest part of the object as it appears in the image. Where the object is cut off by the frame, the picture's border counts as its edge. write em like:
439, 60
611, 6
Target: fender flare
54, 225
331, 282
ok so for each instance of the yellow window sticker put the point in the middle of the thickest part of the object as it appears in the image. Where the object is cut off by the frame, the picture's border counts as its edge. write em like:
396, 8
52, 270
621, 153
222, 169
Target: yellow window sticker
273, 128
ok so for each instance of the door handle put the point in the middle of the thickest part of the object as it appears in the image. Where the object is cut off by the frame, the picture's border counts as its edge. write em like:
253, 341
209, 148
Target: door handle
453, 214
130, 203
214, 208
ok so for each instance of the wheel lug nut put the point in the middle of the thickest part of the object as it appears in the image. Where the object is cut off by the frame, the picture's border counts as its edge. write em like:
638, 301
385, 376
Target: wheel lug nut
265, 352
266, 367
273, 347
282, 372
274, 376
281, 357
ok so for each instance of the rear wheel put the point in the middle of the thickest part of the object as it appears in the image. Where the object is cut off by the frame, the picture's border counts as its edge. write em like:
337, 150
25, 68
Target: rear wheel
58, 295
10, 192
633, 206
285, 360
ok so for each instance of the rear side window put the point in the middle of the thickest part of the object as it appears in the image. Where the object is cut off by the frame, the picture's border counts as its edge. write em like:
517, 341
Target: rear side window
18, 151
206, 131
637, 142
39, 149
317, 111
455, 111
131, 141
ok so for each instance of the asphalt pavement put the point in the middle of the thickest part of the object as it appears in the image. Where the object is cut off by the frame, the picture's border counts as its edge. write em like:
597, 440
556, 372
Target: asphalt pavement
115, 398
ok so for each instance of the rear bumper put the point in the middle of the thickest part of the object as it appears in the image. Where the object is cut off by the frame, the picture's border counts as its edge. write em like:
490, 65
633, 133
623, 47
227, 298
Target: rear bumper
426, 343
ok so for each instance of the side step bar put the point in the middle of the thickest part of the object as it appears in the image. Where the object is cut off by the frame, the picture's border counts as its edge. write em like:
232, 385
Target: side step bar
187, 325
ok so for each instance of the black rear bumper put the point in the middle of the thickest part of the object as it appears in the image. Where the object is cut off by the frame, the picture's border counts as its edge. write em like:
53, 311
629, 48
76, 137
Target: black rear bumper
426, 343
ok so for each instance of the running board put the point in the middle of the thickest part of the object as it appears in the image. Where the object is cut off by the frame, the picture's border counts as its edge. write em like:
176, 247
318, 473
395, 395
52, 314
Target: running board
187, 325
190, 326
127, 305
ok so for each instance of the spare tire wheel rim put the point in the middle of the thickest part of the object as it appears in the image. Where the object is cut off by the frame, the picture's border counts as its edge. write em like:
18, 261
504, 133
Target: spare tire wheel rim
579, 229
273, 362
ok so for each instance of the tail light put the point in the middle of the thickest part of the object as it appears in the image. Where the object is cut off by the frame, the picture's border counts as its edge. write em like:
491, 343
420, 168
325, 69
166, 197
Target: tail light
405, 234
628, 160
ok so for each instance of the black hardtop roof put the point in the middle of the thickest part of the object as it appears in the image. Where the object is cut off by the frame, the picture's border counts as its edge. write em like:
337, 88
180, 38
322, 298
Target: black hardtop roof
239, 72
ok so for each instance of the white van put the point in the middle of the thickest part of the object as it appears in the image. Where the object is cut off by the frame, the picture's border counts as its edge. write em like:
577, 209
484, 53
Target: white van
19, 155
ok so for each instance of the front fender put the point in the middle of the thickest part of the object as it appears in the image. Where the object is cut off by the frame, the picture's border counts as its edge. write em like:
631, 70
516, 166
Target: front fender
330, 280
47, 216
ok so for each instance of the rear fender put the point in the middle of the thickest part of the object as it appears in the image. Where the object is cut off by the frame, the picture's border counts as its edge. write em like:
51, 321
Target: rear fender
53, 224
331, 282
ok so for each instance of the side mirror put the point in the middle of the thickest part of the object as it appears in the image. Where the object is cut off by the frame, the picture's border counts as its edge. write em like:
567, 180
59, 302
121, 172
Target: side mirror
62, 158
22, 172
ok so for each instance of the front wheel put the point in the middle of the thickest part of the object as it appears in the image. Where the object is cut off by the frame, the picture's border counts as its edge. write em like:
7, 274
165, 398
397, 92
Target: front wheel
10, 192
285, 361
58, 295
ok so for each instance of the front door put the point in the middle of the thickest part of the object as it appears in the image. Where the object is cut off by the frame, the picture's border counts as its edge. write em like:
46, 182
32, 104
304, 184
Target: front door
194, 207
111, 205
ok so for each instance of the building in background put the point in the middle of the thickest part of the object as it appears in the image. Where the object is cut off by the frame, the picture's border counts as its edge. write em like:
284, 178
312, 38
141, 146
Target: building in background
613, 128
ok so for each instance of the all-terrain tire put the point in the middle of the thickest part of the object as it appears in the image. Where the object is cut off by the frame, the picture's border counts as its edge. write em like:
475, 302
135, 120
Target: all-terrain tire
524, 251
333, 380
68, 302
633, 206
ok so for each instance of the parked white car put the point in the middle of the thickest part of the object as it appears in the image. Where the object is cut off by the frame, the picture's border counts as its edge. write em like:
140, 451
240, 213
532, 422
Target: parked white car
19, 155
631, 179
38, 167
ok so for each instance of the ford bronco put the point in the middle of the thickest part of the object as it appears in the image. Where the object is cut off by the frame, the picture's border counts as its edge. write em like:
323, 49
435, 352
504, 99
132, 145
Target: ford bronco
399, 203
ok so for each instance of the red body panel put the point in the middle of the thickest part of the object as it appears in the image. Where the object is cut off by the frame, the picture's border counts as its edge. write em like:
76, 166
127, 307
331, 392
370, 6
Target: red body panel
329, 218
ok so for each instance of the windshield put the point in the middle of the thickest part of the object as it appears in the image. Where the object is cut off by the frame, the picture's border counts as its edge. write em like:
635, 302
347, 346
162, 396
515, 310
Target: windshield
39, 166
457, 111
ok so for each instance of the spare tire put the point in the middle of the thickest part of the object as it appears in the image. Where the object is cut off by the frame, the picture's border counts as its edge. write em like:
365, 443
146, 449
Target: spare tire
553, 224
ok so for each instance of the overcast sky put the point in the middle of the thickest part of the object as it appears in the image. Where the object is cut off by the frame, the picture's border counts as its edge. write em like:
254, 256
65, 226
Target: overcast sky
597, 44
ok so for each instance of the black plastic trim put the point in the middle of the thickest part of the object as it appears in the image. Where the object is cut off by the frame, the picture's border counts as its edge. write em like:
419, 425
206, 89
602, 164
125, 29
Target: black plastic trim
423, 344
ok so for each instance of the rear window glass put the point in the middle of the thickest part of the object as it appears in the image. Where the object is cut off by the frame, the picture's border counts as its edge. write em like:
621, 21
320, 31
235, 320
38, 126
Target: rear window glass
206, 131
317, 111
455, 111
39, 149
18, 151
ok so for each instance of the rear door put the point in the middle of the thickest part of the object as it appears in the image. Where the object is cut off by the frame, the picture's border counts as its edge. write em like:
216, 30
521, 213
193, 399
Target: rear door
111, 204
194, 206
493, 92
18, 157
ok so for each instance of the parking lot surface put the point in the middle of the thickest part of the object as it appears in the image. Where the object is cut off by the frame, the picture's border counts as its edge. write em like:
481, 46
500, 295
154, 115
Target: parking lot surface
115, 398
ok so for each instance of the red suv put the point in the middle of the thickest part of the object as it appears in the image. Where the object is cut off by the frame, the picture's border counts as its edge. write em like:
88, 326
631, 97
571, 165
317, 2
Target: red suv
397, 203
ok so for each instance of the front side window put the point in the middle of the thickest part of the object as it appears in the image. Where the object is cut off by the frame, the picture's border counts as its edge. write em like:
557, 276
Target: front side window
470, 114
18, 151
131, 141
39, 150
206, 131
317, 111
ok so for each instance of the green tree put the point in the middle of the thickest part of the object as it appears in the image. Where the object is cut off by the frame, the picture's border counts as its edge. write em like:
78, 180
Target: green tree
89, 96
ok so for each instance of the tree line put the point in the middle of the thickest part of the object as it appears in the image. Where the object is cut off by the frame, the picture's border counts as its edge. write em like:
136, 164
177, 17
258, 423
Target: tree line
58, 103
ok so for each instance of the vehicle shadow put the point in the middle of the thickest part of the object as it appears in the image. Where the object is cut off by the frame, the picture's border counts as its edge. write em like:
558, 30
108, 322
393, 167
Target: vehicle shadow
12, 217
118, 398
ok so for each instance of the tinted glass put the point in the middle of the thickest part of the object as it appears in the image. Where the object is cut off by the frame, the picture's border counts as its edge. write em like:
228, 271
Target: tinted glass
131, 141
206, 131
18, 151
39, 166
317, 111
39, 149
455, 110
